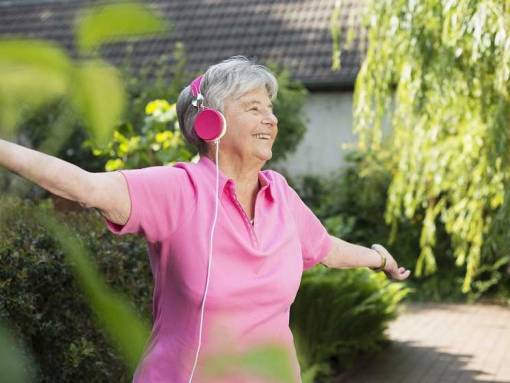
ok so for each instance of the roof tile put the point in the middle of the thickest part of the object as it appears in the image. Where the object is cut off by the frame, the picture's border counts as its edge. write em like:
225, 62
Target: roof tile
295, 33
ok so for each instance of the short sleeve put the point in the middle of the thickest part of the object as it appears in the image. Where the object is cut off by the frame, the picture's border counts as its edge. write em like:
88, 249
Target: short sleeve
159, 198
315, 240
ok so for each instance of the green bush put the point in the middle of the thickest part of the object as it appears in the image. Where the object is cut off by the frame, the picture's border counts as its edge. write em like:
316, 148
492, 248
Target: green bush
43, 305
339, 315
160, 142
352, 204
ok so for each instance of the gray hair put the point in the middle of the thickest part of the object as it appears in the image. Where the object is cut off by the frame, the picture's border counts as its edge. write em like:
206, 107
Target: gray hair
227, 80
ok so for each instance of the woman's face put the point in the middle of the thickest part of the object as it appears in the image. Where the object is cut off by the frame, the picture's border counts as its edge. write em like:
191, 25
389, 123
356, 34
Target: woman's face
251, 126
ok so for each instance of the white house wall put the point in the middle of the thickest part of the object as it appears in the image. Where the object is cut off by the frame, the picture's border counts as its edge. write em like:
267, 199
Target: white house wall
329, 116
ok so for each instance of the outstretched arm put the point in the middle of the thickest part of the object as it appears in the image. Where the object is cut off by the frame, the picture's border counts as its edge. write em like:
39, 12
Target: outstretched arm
107, 192
345, 255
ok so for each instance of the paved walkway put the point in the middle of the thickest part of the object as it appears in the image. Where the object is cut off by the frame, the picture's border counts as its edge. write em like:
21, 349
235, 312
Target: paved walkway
442, 343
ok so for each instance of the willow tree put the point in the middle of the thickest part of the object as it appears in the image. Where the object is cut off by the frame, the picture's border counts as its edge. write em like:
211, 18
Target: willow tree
439, 69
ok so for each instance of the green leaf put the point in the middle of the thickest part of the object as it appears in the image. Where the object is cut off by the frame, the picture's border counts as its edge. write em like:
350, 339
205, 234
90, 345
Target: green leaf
32, 73
24, 88
268, 361
13, 362
99, 96
116, 22
113, 311
40, 54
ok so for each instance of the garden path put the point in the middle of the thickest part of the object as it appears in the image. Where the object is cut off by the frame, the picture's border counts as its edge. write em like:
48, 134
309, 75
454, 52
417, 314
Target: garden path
443, 343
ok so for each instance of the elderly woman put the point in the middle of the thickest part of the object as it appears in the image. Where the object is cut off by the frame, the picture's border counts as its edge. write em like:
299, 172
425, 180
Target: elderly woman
227, 242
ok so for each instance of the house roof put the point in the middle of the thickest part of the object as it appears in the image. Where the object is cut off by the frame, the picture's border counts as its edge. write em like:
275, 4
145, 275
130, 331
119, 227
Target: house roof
293, 33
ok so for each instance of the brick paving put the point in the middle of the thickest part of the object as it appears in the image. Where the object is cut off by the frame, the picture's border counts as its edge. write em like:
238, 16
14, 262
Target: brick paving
450, 343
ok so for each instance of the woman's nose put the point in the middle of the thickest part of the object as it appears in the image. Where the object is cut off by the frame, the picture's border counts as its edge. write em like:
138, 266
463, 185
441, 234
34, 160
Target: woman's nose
271, 118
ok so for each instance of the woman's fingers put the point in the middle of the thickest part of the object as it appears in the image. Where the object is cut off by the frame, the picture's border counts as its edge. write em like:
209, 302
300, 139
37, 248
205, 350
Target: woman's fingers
401, 274
404, 274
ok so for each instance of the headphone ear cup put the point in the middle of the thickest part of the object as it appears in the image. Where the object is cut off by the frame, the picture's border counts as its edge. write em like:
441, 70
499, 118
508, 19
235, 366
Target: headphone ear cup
210, 125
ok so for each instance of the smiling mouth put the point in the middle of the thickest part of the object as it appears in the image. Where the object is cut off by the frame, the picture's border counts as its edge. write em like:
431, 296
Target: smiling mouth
262, 136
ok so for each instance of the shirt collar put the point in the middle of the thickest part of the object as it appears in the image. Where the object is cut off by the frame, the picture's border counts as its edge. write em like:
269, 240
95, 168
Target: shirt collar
210, 168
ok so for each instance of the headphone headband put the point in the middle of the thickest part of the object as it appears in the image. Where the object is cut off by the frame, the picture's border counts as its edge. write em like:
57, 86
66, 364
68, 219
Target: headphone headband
195, 86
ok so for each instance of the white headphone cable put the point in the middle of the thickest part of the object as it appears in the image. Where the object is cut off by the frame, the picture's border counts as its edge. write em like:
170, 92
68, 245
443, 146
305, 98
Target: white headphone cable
217, 142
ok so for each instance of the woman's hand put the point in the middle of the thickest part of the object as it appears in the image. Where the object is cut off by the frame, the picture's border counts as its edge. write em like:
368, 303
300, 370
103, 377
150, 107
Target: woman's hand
392, 270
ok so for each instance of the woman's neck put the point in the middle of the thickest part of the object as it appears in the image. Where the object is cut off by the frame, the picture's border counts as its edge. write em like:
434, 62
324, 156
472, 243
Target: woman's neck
245, 174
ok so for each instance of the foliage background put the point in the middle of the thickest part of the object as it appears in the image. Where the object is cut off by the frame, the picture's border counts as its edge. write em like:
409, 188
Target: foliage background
352, 203
440, 70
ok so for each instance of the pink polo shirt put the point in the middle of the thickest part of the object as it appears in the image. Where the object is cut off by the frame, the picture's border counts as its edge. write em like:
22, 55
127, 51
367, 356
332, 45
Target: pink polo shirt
255, 272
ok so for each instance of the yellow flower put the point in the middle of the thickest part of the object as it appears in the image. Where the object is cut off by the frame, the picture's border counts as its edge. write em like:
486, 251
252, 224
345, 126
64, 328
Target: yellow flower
157, 106
164, 136
117, 136
129, 145
114, 165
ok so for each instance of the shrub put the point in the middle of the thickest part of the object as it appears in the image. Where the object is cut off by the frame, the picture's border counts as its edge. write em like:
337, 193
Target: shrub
352, 204
43, 305
339, 315
160, 142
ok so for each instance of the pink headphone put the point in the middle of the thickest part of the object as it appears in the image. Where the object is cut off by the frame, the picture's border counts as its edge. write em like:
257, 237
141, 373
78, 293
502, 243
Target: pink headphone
210, 125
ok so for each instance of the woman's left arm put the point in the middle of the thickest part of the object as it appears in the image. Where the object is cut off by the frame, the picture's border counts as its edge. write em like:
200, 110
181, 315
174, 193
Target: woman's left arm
345, 255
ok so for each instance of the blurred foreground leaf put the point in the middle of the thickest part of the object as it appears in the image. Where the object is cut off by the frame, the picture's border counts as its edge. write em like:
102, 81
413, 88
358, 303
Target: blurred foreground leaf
269, 361
125, 328
13, 362
40, 54
31, 72
114, 22
99, 96
35, 72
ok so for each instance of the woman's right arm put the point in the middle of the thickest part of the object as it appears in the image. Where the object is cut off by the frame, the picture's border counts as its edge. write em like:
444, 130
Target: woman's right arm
107, 192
